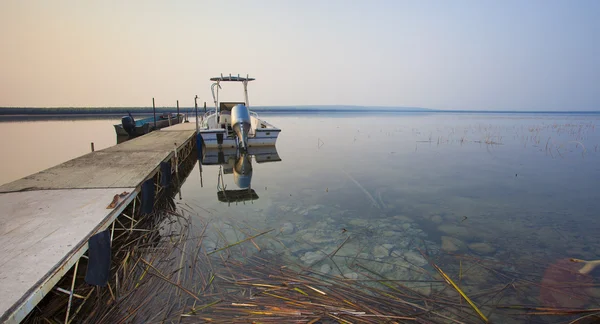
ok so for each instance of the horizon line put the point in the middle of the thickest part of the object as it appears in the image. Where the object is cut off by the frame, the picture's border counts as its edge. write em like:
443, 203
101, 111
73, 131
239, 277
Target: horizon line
309, 108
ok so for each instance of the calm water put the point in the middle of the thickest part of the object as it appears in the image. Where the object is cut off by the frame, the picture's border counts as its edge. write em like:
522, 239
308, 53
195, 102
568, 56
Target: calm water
520, 190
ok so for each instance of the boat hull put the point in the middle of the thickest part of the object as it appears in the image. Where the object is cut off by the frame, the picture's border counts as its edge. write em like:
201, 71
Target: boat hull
218, 138
146, 125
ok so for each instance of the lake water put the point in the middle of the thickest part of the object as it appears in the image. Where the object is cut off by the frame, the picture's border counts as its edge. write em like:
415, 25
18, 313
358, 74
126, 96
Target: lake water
520, 191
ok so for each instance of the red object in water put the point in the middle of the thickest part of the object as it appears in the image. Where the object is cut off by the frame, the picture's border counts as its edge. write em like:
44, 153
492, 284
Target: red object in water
563, 285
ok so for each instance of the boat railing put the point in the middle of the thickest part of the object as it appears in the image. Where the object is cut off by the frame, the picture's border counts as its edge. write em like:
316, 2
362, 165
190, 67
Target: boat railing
209, 112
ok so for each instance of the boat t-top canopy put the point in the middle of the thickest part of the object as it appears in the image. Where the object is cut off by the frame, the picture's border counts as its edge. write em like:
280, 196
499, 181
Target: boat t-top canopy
231, 78
237, 78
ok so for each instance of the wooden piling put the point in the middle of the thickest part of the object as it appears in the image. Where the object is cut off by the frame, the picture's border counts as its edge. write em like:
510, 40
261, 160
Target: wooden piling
196, 107
92, 145
154, 110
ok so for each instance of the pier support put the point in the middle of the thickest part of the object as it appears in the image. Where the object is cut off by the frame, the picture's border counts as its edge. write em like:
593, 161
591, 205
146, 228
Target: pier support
124, 218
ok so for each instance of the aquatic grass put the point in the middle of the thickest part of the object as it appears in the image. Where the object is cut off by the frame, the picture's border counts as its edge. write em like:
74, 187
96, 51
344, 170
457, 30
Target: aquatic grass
551, 139
239, 242
170, 276
463, 295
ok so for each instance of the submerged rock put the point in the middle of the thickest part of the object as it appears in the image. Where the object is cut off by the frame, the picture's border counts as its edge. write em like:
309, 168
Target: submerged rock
415, 258
286, 208
403, 219
451, 244
326, 268
288, 228
311, 257
381, 251
388, 246
384, 268
453, 230
390, 233
209, 245
437, 219
482, 248
351, 275
317, 237
359, 222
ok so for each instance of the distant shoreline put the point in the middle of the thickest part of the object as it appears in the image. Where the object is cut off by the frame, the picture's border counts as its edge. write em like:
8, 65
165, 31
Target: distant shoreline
16, 114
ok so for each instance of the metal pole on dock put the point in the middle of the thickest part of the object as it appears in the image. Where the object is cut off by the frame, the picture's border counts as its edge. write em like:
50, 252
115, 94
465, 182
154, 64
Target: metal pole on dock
205, 107
92, 144
196, 106
177, 109
154, 110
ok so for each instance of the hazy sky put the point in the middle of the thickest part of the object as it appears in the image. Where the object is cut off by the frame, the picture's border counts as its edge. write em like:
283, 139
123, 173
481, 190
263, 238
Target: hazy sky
500, 55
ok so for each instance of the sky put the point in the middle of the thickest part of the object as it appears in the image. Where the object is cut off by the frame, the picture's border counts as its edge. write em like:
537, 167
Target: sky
474, 55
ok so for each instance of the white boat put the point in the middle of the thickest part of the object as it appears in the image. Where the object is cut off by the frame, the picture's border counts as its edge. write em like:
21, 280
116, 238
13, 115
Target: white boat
232, 124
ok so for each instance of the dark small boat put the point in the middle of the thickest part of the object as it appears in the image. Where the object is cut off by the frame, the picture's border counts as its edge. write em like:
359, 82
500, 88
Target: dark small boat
131, 127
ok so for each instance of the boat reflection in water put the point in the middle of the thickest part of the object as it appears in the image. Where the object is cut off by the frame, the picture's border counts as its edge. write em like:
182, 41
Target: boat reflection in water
238, 163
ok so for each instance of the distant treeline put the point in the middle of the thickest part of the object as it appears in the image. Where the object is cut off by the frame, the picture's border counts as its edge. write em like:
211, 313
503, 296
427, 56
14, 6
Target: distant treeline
271, 110
148, 110
89, 111
145, 110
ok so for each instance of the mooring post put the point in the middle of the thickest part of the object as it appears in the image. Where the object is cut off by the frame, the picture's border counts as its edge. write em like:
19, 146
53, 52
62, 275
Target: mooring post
205, 107
196, 106
92, 144
177, 109
154, 110
176, 162
177, 170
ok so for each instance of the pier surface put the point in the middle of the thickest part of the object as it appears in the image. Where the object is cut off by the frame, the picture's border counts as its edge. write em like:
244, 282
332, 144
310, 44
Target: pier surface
47, 218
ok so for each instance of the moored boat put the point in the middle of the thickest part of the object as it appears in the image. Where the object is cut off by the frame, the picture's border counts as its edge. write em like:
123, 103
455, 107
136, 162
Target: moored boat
131, 127
232, 124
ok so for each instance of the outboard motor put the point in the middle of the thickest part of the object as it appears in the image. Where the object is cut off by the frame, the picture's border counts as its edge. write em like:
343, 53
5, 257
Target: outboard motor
128, 124
242, 171
240, 122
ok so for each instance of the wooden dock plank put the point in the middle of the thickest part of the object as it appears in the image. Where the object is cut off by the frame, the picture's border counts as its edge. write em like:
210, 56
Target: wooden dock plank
95, 170
123, 165
39, 229
158, 141
43, 232
181, 127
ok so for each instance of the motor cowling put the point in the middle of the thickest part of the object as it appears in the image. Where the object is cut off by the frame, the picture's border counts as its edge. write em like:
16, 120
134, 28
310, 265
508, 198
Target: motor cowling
240, 122
128, 125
